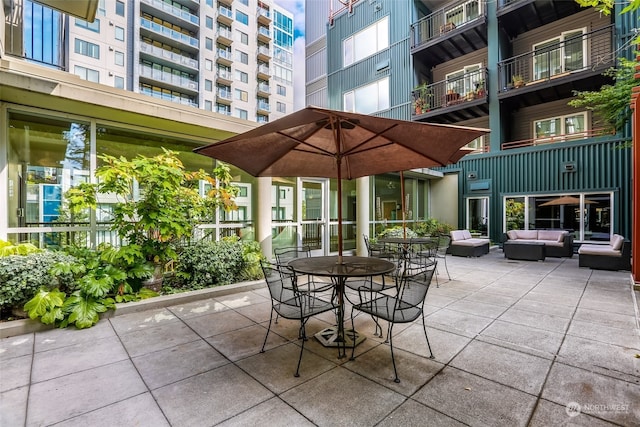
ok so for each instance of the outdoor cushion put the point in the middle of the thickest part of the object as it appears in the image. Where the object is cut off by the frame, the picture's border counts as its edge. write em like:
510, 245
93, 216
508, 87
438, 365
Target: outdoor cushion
466, 234
606, 250
555, 235
512, 234
616, 242
457, 235
527, 234
471, 242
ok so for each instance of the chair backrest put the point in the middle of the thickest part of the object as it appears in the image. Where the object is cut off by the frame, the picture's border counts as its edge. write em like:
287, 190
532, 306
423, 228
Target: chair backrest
284, 255
280, 281
413, 287
444, 240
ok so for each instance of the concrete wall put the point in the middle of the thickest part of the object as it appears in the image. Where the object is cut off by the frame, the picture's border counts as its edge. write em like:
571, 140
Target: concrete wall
443, 204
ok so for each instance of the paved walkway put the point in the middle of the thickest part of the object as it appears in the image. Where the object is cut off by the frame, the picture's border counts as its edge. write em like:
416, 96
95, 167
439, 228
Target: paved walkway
516, 343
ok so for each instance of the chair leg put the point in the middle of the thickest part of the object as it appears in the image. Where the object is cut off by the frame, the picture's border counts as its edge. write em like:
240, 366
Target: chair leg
353, 328
304, 338
445, 266
268, 329
393, 359
424, 326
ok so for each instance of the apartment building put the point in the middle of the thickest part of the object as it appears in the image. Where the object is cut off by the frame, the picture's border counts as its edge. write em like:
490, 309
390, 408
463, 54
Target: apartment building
507, 65
233, 57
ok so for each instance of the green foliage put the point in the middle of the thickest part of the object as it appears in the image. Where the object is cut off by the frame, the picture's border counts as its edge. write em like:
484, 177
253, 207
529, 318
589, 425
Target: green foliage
169, 205
611, 103
207, 264
514, 211
8, 248
432, 226
606, 6
397, 232
22, 276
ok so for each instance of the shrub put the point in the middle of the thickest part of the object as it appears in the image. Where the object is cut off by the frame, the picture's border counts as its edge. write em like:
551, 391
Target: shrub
22, 275
432, 226
396, 232
8, 248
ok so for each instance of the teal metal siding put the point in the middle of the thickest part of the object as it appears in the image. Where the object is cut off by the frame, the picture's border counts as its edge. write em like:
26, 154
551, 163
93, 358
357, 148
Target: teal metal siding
602, 165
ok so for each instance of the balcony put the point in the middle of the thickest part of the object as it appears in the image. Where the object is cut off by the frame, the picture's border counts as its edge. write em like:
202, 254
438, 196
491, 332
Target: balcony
264, 34
263, 72
534, 142
171, 57
223, 109
263, 89
453, 100
225, 2
224, 56
264, 15
519, 16
167, 78
172, 97
264, 53
263, 107
448, 33
262, 119
169, 35
168, 12
554, 71
224, 95
224, 36
225, 15
224, 75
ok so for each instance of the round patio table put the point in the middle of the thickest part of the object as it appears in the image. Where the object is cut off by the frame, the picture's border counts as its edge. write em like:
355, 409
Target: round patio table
339, 271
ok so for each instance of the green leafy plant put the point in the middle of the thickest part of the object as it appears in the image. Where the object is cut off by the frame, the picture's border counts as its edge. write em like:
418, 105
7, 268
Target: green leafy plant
431, 227
169, 203
514, 211
422, 98
397, 232
8, 248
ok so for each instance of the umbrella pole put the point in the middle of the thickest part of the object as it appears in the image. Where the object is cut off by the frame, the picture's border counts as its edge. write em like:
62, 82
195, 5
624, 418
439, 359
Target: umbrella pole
404, 226
338, 162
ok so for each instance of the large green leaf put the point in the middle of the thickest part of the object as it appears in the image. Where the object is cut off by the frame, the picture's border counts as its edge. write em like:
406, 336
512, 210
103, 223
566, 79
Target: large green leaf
83, 312
43, 302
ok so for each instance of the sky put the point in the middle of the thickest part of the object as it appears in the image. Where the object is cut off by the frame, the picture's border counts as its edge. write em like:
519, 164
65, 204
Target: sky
297, 8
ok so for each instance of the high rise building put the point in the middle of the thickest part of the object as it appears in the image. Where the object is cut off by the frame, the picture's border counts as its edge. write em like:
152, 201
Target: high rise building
234, 57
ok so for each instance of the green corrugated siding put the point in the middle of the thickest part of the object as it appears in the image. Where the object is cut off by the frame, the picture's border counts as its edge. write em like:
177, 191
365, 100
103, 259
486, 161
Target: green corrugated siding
602, 166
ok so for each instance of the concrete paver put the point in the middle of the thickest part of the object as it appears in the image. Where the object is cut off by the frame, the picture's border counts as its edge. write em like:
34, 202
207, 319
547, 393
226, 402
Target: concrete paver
516, 343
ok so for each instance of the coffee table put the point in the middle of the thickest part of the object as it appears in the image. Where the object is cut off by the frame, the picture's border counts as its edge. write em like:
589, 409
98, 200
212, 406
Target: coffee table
527, 251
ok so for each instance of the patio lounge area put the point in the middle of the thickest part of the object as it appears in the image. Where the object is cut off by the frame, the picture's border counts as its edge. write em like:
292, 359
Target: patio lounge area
516, 343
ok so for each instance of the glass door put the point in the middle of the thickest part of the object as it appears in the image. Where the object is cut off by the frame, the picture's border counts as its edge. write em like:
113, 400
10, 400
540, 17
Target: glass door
314, 216
478, 216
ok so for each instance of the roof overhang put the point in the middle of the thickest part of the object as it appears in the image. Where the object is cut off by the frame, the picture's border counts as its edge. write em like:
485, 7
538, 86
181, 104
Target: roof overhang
83, 9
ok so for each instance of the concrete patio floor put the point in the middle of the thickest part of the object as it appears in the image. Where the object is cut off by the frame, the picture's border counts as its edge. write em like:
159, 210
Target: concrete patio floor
516, 343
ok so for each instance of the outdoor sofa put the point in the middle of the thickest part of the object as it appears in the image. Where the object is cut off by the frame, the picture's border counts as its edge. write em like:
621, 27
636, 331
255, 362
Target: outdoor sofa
557, 243
463, 244
616, 255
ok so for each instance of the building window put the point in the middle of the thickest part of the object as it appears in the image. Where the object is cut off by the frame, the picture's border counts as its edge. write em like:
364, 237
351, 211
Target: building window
208, 43
92, 26
120, 34
102, 10
462, 13
283, 74
209, 22
241, 114
242, 57
242, 76
118, 82
560, 55
210, 3
368, 99
208, 65
208, 85
208, 105
88, 49
118, 58
281, 107
244, 2
365, 43
465, 80
281, 90
87, 74
561, 128
241, 17
242, 37
241, 95
119, 8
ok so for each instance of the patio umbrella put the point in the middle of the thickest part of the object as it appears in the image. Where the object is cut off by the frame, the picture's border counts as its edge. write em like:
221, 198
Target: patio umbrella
318, 142
566, 200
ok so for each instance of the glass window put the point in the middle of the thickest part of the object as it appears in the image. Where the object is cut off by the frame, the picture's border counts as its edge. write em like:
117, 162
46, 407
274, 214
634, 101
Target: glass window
281, 107
464, 81
561, 128
242, 37
208, 65
208, 43
119, 33
118, 82
368, 99
92, 26
119, 8
241, 113
244, 2
209, 22
241, 95
242, 17
88, 49
559, 55
281, 90
242, 57
462, 13
210, 3
87, 74
208, 105
242, 76
118, 58
366, 42
208, 85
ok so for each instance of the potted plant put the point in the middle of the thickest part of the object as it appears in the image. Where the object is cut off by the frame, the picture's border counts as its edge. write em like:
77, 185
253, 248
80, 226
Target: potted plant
158, 202
421, 98
518, 80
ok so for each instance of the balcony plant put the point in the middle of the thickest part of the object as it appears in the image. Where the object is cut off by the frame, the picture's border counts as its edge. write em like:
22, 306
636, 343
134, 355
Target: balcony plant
518, 80
421, 98
158, 202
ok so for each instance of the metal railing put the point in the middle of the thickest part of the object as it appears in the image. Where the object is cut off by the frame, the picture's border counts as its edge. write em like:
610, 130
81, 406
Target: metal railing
224, 93
173, 10
166, 77
168, 32
171, 56
588, 51
446, 93
225, 11
264, 106
224, 53
178, 99
264, 87
452, 16
590, 133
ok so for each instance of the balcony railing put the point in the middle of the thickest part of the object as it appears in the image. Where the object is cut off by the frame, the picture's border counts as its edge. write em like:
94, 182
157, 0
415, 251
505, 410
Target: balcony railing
264, 12
224, 32
264, 87
225, 11
452, 16
176, 58
264, 50
263, 106
262, 119
175, 11
264, 31
224, 93
168, 32
467, 87
163, 76
554, 139
588, 51
225, 53
263, 69
223, 110
168, 97
224, 73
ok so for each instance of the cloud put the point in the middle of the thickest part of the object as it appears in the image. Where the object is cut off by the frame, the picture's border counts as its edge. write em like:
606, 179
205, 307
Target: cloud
296, 7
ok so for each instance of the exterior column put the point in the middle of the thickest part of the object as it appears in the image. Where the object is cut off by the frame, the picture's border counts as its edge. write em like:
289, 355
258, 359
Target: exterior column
263, 216
362, 213
635, 178
493, 85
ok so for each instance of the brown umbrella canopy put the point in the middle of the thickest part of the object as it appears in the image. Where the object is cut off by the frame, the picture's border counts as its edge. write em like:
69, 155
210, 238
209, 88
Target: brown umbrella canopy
313, 141
317, 142
566, 200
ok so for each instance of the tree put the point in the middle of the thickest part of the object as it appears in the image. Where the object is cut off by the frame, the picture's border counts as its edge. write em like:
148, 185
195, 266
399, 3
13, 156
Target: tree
605, 6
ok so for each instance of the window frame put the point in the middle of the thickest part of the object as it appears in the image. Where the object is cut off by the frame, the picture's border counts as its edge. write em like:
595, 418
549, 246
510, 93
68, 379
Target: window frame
350, 47
562, 135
